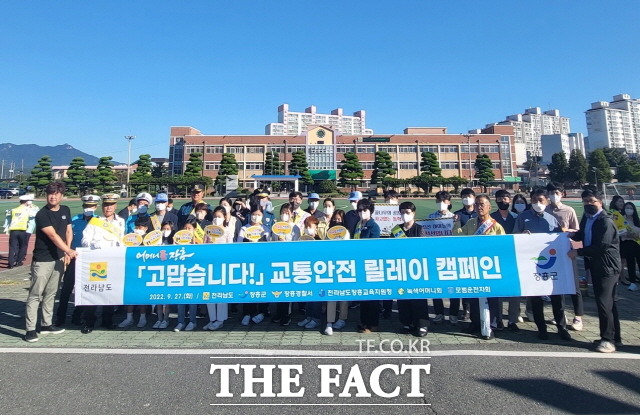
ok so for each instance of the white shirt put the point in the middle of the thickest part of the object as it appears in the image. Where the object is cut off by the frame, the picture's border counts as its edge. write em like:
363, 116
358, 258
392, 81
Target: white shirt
95, 237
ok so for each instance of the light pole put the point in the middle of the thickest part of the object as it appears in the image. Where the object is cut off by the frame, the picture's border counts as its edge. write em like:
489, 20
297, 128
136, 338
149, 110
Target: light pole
468, 137
595, 175
129, 138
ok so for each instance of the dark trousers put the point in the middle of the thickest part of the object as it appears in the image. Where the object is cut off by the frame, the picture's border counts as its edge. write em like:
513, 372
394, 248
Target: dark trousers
68, 282
314, 310
253, 309
537, 308
18, 242
474, 312
283, 309
370, 313
495, 310
630, 251
387, 305
578, 303
414, 313
604, 290
90, 315
454, 306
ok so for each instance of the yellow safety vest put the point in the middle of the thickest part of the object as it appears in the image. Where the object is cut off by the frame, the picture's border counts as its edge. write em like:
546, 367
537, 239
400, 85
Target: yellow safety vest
19, 219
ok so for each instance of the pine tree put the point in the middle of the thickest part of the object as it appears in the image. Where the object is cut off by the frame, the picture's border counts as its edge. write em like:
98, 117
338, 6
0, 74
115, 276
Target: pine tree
140, 178
577, 174
558, 168
160, 170
484, 170
77, 180
41, 174
104, 177
456, 182
350, 171
228, 167
194, 166
272, 164
429, 164
382, 167
299, 166
599, 168
628, 171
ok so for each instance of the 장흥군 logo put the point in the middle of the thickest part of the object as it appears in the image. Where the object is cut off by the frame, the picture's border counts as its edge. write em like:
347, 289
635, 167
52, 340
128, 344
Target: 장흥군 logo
550, 262
98, 271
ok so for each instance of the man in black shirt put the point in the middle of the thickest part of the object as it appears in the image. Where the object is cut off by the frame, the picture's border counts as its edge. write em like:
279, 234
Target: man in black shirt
51, 253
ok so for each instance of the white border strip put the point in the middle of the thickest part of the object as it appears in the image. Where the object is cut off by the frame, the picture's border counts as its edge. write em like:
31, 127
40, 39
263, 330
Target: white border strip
235, 353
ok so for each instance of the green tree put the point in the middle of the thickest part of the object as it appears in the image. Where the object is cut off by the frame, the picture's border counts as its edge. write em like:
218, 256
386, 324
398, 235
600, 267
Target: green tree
298, 166
41, 174
104, 177
228, 167
326, 187
426, 182
599, 168
350, 171
272, 164
628, 171
577, 174
559, 167
456, 182
429, 164
194, 166
160, 170
140, 178
382, 167
77, 180
615, 156
484, 170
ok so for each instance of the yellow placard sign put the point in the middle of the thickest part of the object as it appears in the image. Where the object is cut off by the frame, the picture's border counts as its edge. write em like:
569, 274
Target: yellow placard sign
153, 238
183, 237
307, 238
254, 233
337, 232
214, 231
132, 239
282, 228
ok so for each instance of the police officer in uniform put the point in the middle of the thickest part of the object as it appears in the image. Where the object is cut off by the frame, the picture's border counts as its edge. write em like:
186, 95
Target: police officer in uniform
188, 209
17, 225
103, 232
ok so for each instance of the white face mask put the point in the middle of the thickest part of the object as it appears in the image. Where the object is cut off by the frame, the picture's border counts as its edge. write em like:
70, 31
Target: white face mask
227, 209
365, 215
520, 207
468, 201
161, 206
142, 209
538, 207
139, 231
328, 211
354, 205
393, 202
256, 218
443, 206
88, 211
169, 208
285, 217
407, 217
628, 212
555, 198
263, 203
29, 202
166, 233
218, 221
314, 205
310, 231
200, 215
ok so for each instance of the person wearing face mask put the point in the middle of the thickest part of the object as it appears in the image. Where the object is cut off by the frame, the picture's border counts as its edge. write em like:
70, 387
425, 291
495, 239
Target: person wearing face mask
168, 230
327, 211
170, 205
231, 222
629, 239
130, 209
200, 221
538, 220
141, 227
19, 224
351, 218
519, 204
314, 204
188, 209
414, 313
161, 214
568, 221
601, 248
467, 212
367, 228
101, 232
262, 202
78, 224
143, 201
313, 309
391, 197
297, 214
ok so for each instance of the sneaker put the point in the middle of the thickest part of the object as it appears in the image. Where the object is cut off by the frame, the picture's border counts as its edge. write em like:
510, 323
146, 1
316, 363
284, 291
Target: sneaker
246, 320
216, 325
179, 327
164, 324
285, 321
520, 319
31, 336
142, 322
577, 324
453, 320
258, 318
312, 324
340, 324
421, 332
439, 318
304, 322
564, 334
190, 326
207, 326
329, 330
605, 347
51, 330
529, 316
633, 287
156, 325
126, 323
514, 327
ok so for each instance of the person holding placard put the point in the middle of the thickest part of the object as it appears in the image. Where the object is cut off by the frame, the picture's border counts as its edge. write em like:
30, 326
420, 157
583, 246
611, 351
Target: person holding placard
255, 231
262, 203
414, 313
141, 226
104, 231
367, 228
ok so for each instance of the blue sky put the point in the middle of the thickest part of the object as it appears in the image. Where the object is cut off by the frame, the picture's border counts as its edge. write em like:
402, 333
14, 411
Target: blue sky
88, 73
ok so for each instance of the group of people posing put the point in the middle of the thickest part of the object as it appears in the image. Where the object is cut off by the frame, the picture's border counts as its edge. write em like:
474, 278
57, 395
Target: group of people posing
58, 235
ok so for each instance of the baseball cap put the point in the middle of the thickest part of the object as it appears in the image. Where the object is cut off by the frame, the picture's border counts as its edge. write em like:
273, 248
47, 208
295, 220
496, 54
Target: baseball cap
162, 197
314, 196
356, 195
263, 193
